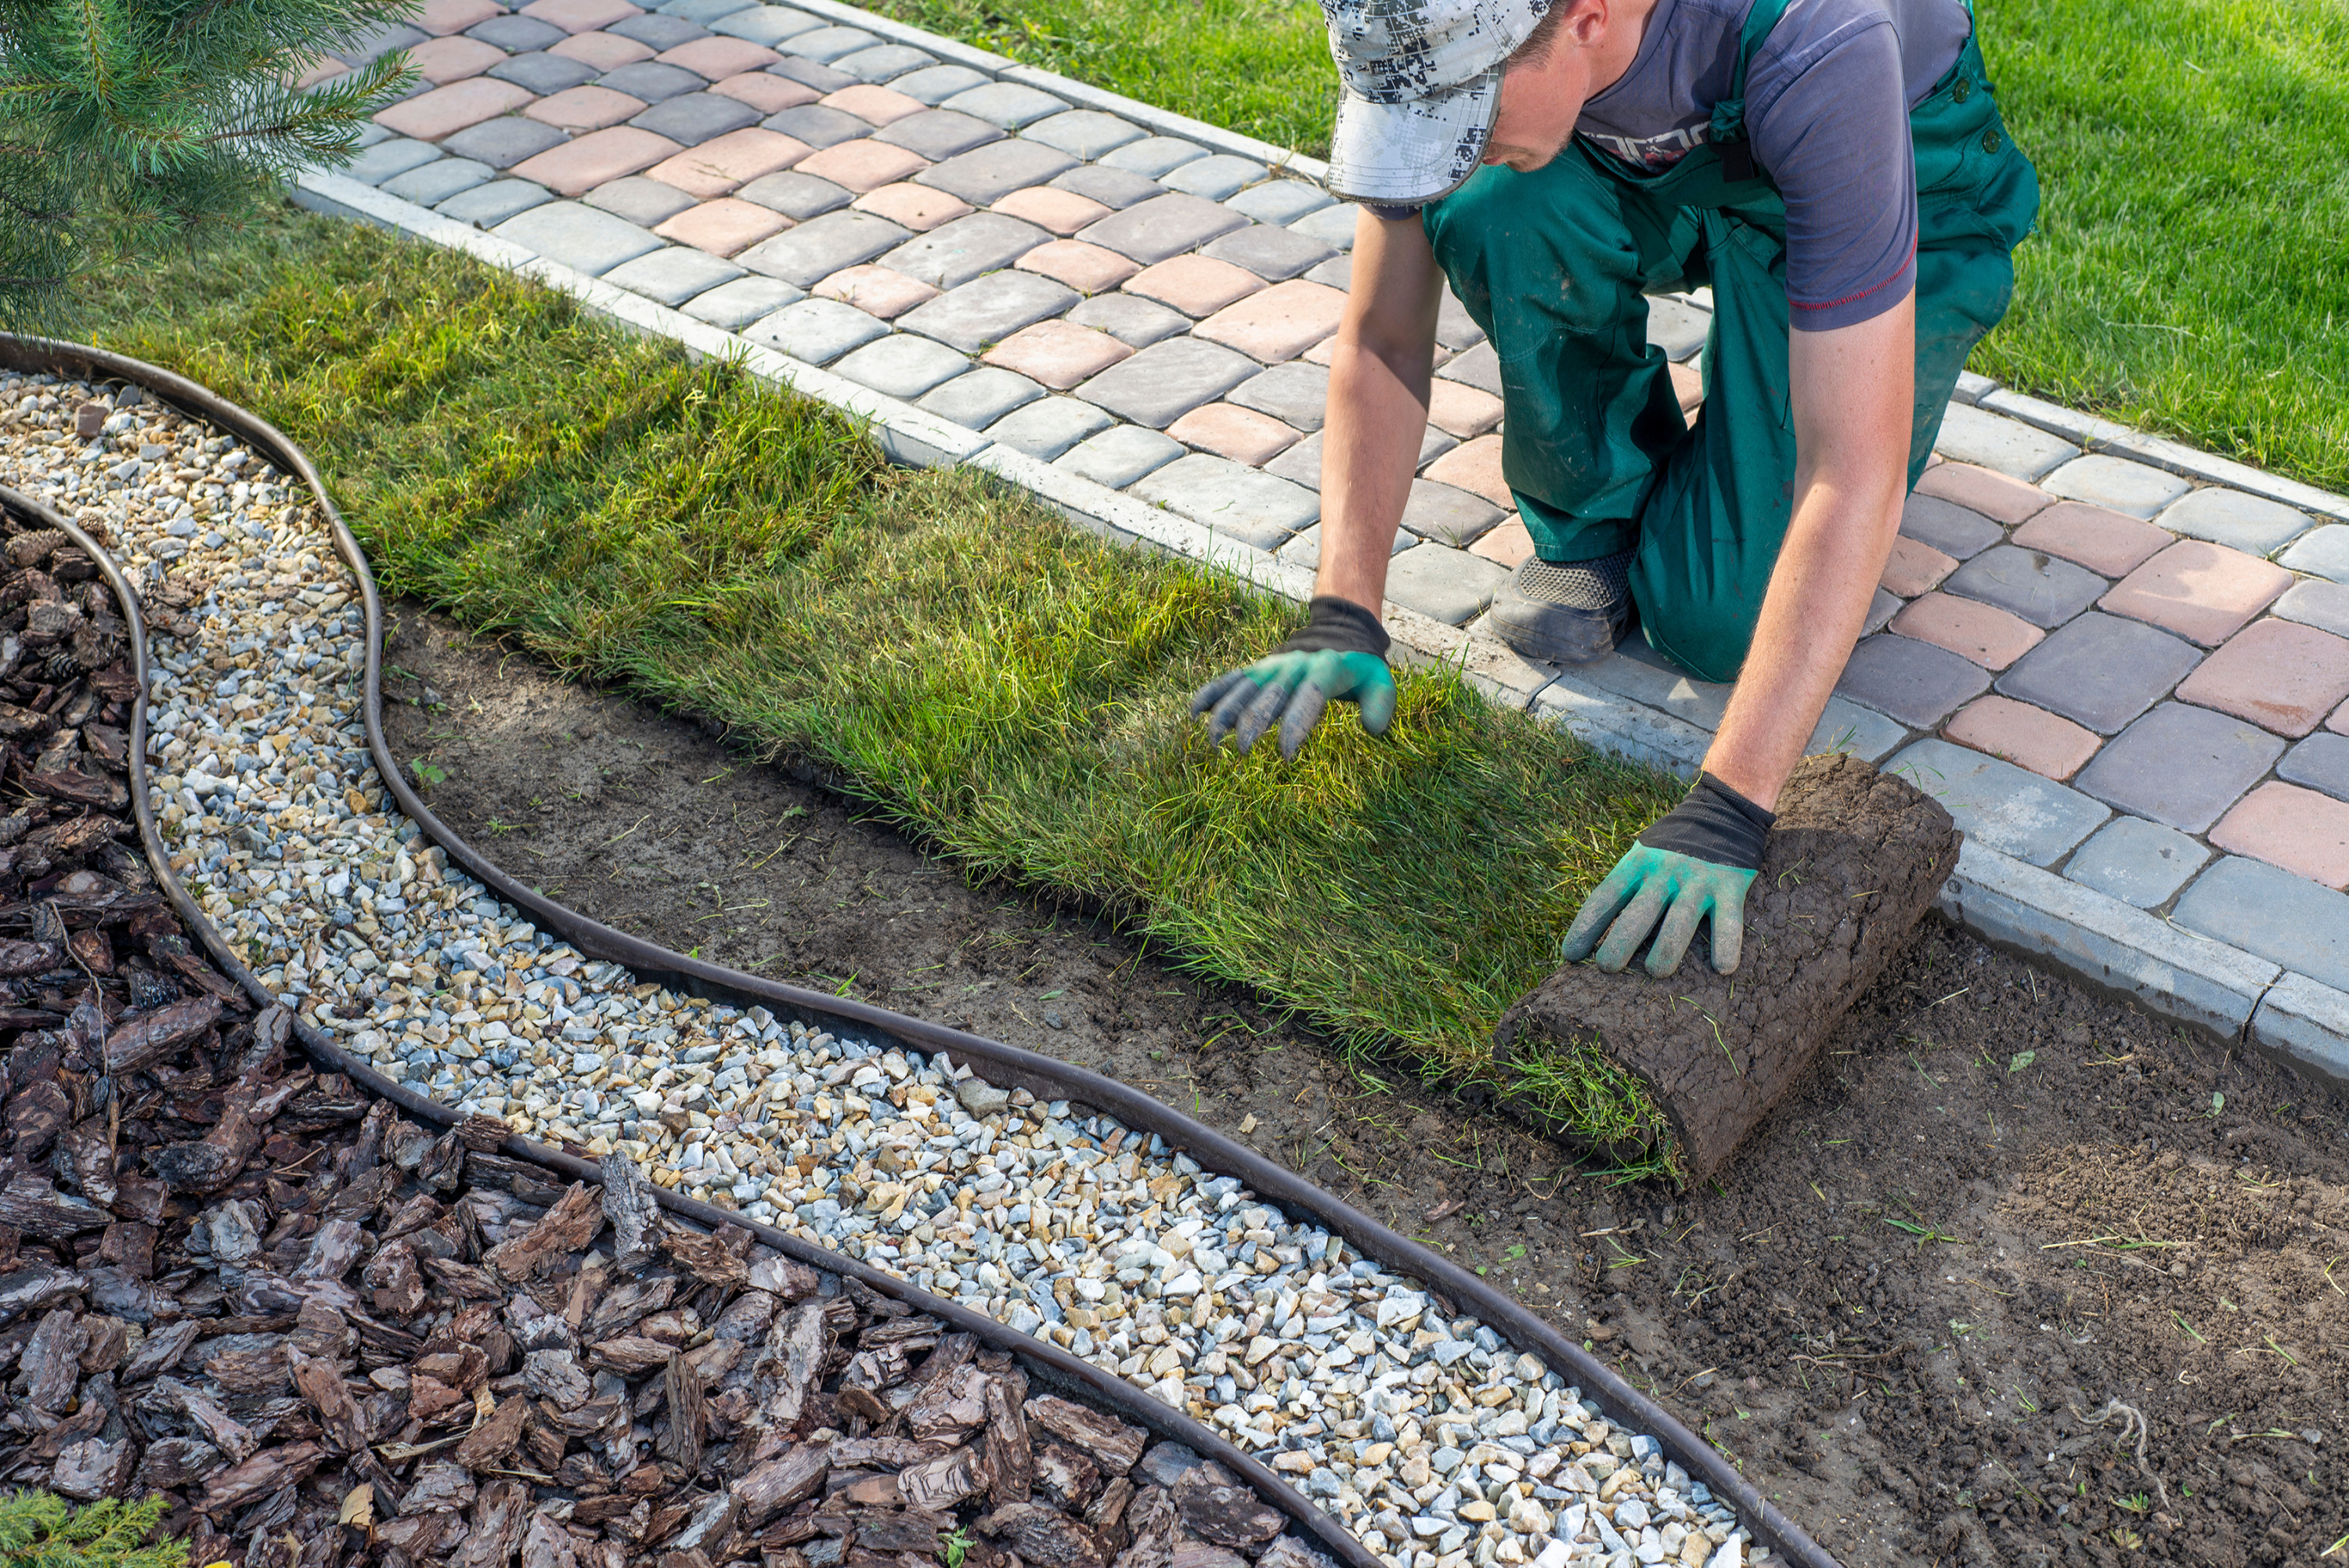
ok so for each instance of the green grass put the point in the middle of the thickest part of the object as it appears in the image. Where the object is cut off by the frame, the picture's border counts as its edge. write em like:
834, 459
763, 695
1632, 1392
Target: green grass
1006, 686
2190, 275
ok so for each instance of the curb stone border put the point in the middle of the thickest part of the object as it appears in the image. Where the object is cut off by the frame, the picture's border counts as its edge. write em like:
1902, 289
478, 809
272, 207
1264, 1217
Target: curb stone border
2248, 1001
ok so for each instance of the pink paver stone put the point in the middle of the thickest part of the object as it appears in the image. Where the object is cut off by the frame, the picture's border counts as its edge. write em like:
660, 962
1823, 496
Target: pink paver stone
1196, 285
2109, 544
722, 163
1460, 410
1982, 633
1088, 269
1914, 568
2198, 589
1058, 354
603, 51
453, 59
1230, 431
875, 291
863, 165
1281, 323
580, 165
910, 206
444, 111
585, 108
1061, 213
1509, 544
872, 104
2025, 736
2304, 832
716, 58
724, 226
442, 18
1474, 467
1688, 385
580, 16
2280, 675
324, 69
1995, 495
1324, 353
767, 94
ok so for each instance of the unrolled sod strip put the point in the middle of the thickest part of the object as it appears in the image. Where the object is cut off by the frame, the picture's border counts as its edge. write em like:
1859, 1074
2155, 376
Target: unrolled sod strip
1433, 1440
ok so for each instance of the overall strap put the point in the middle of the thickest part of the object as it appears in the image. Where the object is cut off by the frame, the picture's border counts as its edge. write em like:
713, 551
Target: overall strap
1727, 133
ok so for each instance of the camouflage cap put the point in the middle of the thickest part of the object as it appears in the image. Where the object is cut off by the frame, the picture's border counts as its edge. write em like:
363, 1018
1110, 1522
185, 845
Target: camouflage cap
1423, 81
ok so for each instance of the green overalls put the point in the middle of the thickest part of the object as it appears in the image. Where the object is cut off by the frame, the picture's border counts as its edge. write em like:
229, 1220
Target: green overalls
1555, 265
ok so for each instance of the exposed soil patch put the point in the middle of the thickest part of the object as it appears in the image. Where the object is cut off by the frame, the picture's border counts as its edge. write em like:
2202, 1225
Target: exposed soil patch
2003, 1205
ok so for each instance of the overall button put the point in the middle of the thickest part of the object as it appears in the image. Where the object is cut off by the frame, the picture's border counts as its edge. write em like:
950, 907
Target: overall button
1963, 91
1990, 141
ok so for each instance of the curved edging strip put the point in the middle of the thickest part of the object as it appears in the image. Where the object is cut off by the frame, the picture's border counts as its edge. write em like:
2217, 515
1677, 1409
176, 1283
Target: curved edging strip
1006, 1065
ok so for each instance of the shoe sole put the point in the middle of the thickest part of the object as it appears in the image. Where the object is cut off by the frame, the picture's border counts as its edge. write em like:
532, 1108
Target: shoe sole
1555, 634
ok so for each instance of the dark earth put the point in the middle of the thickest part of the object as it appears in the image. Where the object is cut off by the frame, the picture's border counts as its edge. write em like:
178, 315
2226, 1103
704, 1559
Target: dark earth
2003, 1208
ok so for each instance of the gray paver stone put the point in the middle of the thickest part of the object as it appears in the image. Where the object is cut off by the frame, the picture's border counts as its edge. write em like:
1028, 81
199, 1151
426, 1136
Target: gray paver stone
2324, 605
938, 134
1330, 225
1434, 443
1915, 682
2101, 670
1455, 329
1167, 380
1130, 318
1637, 671
1153, 156
1880, 610
2265, 910
1084, 133
2250, 523
502, 142
1479, 367
735, 306
987, 310
1236, 501
766, 24
798, 196
2320, 762
696, 117
903, 365
2041, 589
1301, 464
2181, 765
982, 396
1447, 585
646, 203
1280, 200
820, 247
430, 184
2137, 861
950, 256
989, 174
1305, 548
704, 11
370, 133
1337, 272
1861, 732
656, 32
517, 35
1953, 530
380, 39
809, 73
2008, 809
1676, 327
2116, 484
673, 273
818, 125
2322, 552
387, 159
1217, 177
1008, 104
1268, 251
578, 236
1116, 188
826, 44
542, 73
1970, 434
487, 206
932, 85
885, 62
816, 331
651, 81
1120, 455
1047, 427
1446, 515
1296, 394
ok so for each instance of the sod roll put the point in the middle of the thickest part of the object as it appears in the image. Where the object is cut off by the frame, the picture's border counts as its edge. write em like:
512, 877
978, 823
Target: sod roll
1856, 860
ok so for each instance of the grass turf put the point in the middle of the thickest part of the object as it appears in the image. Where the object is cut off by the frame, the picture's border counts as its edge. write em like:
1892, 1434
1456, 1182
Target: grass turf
1007, 687
2189, 274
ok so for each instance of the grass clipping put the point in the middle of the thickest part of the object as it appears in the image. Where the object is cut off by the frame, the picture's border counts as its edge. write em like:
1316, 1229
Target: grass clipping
1006, 687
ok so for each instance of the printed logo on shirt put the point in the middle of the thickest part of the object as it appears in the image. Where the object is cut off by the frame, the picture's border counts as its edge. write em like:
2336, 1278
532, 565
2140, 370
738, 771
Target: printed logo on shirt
1653, 151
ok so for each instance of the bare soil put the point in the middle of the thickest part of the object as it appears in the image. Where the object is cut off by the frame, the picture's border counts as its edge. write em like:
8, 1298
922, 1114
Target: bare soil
2003, 1207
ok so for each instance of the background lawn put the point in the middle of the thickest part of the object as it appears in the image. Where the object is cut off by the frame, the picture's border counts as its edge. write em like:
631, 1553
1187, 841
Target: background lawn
2191, 272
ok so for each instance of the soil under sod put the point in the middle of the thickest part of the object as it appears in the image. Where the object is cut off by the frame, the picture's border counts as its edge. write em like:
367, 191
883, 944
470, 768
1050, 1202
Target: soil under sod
2004, 1204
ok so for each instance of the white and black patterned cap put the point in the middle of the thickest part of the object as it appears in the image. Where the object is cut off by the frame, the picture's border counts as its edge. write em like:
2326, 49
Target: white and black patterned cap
1423, 81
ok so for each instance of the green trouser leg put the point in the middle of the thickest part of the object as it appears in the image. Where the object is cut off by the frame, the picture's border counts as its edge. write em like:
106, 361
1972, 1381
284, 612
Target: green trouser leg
1555, 266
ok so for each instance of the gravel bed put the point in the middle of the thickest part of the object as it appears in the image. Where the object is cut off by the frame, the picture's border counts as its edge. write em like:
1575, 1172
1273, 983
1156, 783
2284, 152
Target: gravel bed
1435, 1441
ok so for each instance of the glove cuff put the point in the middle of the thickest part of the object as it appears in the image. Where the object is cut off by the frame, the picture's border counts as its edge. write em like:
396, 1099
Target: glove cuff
1715, 823
1339, 626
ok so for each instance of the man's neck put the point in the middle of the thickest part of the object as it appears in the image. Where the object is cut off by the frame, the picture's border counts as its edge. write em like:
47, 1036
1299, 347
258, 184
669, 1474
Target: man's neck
1626, 29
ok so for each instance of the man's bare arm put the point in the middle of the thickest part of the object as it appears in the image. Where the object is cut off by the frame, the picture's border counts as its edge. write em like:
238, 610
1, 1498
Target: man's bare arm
1853, 391
1378, 405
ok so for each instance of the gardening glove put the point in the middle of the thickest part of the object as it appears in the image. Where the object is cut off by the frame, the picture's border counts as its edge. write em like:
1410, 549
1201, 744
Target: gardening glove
1697, 859
1340, 654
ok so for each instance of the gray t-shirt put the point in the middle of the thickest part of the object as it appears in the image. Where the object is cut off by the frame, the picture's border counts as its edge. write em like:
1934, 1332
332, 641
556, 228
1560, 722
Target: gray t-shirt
1827, 106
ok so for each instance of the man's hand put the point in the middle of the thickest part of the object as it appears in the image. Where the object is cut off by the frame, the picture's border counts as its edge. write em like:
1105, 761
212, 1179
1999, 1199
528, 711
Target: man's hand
1341, 656
1697, 861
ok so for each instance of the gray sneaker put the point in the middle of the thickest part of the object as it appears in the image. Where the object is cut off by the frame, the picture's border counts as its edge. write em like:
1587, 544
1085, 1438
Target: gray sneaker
1564, 613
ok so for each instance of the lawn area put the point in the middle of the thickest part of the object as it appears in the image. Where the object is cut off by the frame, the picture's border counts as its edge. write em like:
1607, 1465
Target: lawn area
2191, 271
1002, 685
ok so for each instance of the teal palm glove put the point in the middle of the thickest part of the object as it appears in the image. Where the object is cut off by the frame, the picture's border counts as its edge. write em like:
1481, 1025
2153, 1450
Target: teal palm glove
1339, 656
1696, 861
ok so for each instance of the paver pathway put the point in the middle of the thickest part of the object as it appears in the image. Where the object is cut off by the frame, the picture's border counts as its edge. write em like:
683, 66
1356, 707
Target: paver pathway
2123, 675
